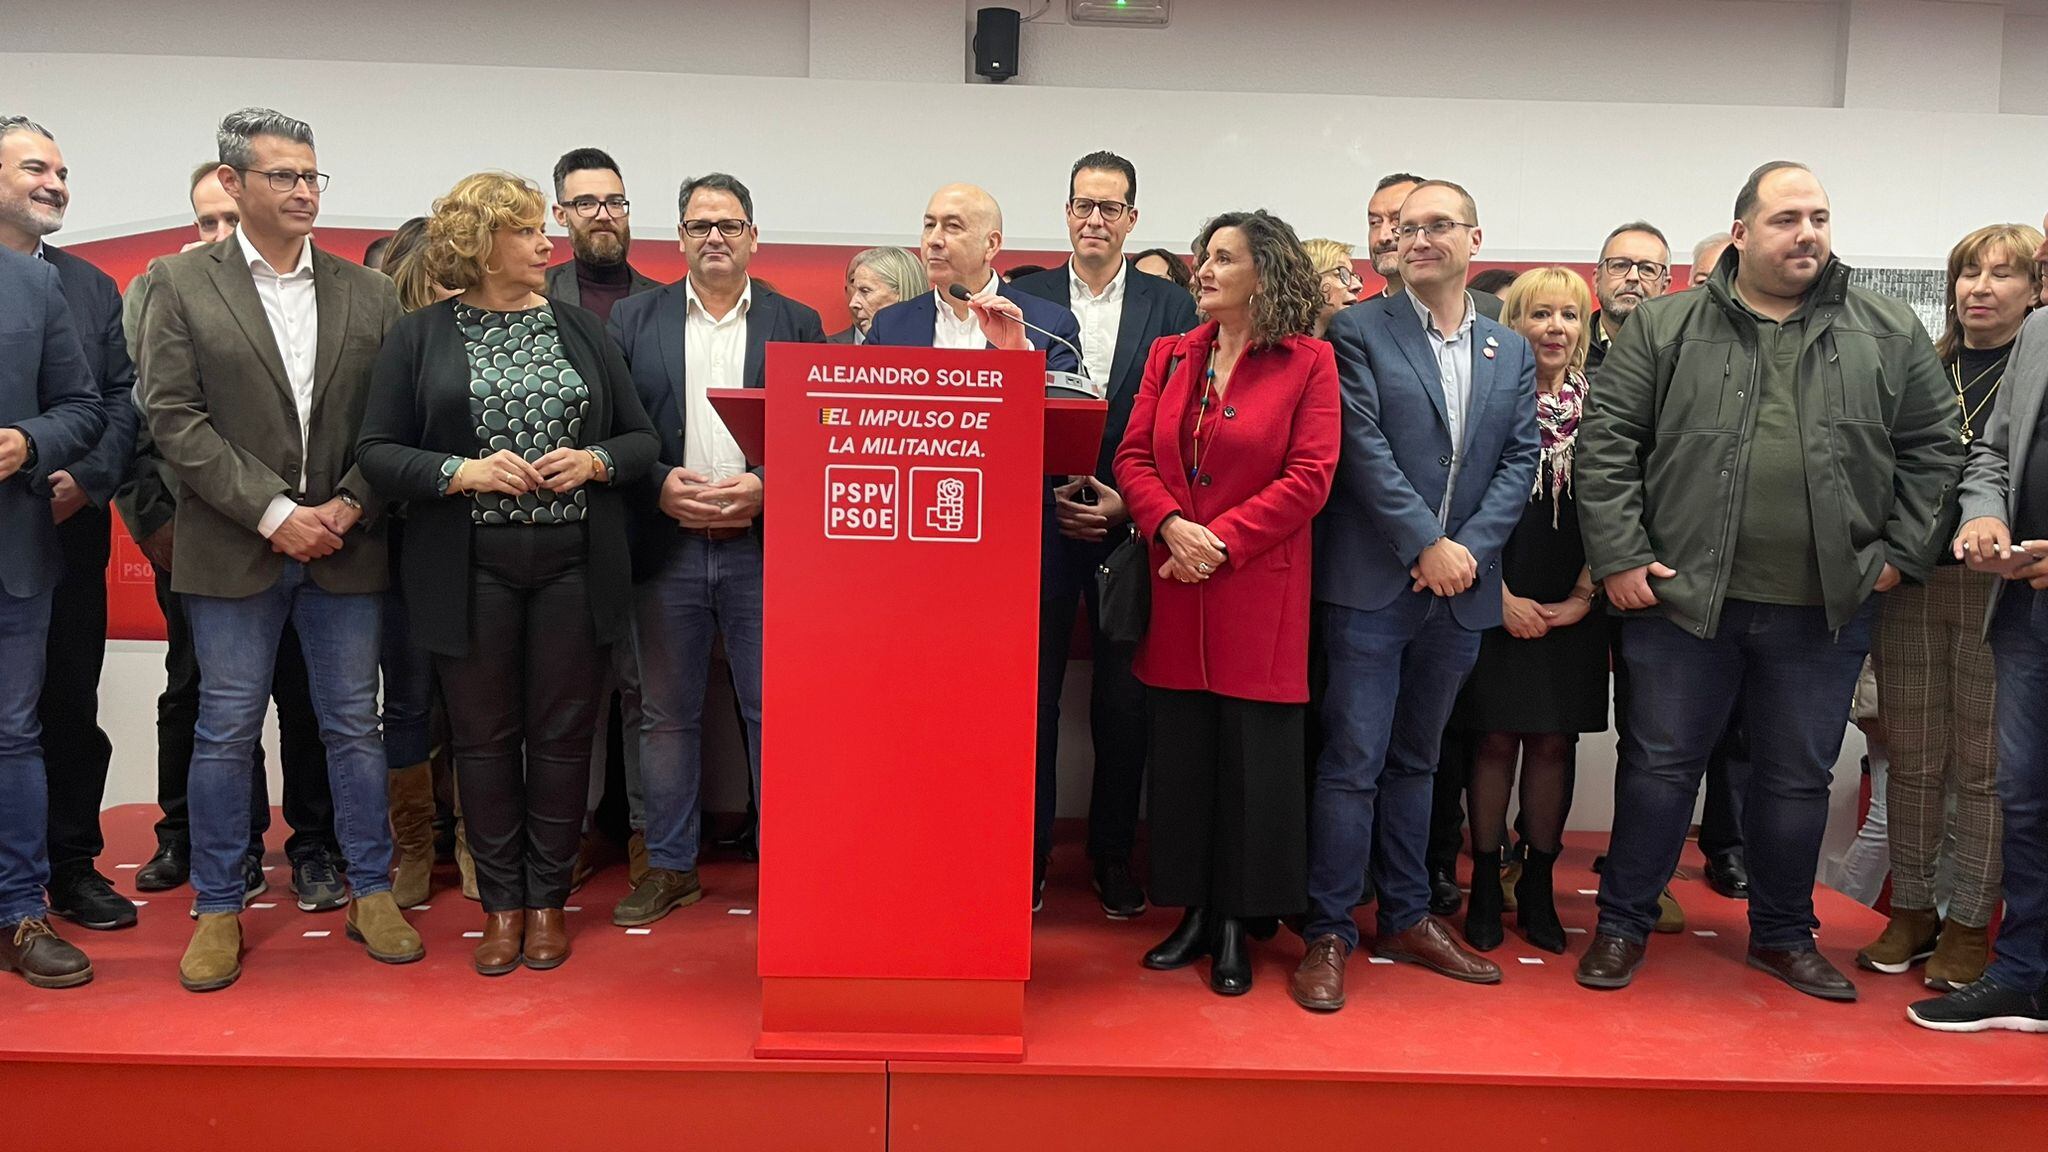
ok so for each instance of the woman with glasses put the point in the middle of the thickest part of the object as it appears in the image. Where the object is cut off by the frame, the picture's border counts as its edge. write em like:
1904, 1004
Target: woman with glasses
1230, 452
508, 423
1335, 278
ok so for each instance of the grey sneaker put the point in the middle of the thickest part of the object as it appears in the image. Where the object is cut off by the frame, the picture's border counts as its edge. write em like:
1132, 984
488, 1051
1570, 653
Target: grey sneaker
317, 884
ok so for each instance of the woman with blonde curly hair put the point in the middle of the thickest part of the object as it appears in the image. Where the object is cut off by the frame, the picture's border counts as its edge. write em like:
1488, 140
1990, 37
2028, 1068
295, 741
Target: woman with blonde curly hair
1336, 279
1230, 452
510, 425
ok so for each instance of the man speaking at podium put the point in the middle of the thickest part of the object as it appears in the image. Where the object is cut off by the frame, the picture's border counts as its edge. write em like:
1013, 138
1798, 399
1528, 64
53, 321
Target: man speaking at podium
969, 306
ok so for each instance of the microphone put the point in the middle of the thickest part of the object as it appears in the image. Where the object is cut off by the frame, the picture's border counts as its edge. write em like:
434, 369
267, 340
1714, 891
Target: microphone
961, 294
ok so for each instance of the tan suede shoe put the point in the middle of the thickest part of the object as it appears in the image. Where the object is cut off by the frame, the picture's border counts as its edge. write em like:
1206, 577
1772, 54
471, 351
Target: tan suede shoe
375, 922
1907, 939
412, 834
1959, 958
213, 960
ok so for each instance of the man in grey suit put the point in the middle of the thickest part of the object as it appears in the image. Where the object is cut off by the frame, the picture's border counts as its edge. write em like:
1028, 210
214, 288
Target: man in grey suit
50, 416
256, 358
1440, 448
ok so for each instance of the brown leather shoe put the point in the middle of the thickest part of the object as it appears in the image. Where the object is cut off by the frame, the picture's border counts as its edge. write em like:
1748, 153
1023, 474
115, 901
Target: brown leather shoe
504, 938
1432, 946
1610, 962
661, 891
547, 938
45, 961
1805, 969
1318, 981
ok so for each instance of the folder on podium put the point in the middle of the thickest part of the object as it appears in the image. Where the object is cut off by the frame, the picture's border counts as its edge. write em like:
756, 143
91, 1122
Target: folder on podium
899, 693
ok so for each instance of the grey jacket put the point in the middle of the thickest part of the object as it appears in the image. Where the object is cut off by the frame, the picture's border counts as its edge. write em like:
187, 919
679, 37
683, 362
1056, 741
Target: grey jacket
1999, 458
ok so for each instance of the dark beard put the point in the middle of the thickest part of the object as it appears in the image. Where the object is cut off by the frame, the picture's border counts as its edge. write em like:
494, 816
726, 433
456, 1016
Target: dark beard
584, 246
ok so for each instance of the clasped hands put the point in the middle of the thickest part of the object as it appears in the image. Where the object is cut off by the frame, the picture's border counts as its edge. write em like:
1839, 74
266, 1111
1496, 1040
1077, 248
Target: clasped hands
314, 531
694, 500
508, 473
1196, 552
1087, 522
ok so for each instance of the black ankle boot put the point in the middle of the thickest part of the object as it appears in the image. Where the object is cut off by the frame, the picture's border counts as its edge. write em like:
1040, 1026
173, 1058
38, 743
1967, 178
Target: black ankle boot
1535, 910
1188, 943
1230, 973
1483, 929
1262, 928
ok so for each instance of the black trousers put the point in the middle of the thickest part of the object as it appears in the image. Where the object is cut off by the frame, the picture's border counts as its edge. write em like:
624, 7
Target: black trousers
75, 751
308, 801
1116, 705
522, 704
1229, 810
1447, 802
1727, 770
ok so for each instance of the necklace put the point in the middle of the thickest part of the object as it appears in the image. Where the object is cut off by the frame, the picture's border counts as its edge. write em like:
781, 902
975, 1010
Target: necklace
1955, 372
1201, 414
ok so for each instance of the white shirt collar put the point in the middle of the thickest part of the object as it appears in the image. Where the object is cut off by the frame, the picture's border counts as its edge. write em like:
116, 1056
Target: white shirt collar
249, 253
694, 303
1078, 288
1429, 319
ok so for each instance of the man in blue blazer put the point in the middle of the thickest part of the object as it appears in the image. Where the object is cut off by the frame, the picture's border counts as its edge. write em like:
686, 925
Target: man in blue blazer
962, 232
1440, 449
34, 193
697, 540
50, 417
1120, 312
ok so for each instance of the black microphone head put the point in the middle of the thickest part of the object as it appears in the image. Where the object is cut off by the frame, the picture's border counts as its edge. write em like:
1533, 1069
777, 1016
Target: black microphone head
959, 293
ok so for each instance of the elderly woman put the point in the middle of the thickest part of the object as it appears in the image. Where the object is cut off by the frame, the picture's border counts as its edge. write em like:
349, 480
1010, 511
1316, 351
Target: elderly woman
1232, 445
1541, 678
508, 423
1336, 279
875, 279
1936, 682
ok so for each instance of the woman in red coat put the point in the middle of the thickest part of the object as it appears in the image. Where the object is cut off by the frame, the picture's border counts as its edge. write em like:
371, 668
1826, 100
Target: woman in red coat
1232, 443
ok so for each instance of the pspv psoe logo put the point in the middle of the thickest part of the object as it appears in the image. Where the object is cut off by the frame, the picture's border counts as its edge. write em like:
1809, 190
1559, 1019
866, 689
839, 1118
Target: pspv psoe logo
945, 504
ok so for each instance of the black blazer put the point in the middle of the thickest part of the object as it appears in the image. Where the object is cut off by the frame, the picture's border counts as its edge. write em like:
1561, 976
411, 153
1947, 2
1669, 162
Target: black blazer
418, 415
96, 307
47, 392
1154, 307
648, 330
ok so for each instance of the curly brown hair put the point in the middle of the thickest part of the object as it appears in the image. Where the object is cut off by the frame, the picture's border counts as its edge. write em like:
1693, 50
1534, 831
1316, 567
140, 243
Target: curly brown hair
1288, 297
458, 248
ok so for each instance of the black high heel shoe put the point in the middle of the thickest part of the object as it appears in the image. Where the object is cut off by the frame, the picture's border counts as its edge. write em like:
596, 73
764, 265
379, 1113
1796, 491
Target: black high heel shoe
1230, 970
1188, 943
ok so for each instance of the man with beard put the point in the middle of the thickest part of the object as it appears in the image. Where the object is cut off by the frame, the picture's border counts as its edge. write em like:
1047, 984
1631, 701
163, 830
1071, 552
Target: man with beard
1382, 214
34, 192
1757, 458
590, 201
1634, 266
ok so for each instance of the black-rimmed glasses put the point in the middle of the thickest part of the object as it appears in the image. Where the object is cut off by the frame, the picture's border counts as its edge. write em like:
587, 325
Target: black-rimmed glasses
284, 179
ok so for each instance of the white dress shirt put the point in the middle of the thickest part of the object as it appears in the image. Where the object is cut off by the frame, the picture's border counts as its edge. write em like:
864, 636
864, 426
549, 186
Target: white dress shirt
1100, 317
714, 356
292, 308
950, 331
1454, 369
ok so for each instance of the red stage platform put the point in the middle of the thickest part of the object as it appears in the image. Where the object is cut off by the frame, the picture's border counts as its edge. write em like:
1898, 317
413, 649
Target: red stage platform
643, 1041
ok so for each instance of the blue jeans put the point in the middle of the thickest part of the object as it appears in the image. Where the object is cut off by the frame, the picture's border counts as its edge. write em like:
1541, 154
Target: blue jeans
1394, 674
2019, 649
705, 589
408, 689
1779, 672
236, 642
24, 792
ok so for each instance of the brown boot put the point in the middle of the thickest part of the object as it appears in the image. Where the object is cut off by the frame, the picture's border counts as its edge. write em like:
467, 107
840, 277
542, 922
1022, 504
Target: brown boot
1670, 917
636, 859
465, 864
547, 938
375, 922
412, 834
504, 939
213, 960
45, 961
1907, 939
1960, 958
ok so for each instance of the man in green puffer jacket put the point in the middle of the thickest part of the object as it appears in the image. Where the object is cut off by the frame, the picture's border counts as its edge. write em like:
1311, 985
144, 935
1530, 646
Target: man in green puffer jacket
1758, 457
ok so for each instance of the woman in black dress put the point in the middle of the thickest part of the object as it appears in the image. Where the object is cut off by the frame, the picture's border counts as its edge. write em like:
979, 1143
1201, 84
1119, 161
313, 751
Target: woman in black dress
1541, 678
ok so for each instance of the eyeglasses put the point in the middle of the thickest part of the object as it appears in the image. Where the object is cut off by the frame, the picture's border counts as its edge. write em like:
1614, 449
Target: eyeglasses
284, 180
588, 206
1112, 210
1345, 277
699, 229
1619, 267
1437, 229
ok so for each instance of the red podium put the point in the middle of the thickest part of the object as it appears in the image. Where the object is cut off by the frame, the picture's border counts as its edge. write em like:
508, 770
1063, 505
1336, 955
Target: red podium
899, 691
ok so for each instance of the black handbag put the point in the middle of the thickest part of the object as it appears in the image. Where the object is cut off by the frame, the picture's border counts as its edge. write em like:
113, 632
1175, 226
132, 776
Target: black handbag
1124, 579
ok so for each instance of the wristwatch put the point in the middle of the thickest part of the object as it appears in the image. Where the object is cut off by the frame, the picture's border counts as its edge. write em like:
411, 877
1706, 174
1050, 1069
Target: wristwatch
348, 500
28, 461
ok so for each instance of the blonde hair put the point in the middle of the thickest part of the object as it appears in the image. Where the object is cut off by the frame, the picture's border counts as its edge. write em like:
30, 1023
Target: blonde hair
1538, 283
459, 233
2016, 242
1326, 255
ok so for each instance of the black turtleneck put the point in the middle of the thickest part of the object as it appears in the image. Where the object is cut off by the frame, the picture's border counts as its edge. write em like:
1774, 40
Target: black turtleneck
603, 285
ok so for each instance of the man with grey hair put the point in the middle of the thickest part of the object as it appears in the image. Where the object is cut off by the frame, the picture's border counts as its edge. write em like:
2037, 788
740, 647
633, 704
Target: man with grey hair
1634, 266
1706, 254
34, 194
257, 354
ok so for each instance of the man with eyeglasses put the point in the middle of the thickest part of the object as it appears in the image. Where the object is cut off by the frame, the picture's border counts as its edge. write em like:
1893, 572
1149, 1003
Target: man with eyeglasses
1757, 459
257, 354
1382, 216
1120, 314
1634, 266
1440, 447
34, 193
590, 201
697, 540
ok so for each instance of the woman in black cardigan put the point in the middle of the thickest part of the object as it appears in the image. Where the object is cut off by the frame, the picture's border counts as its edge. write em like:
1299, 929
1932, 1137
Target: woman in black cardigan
509, 424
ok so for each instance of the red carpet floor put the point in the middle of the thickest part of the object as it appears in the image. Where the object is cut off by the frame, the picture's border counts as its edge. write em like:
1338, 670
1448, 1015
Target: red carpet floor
643, 1040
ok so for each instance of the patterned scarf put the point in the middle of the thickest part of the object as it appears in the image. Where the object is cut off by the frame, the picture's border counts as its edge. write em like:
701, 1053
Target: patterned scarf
1557, 418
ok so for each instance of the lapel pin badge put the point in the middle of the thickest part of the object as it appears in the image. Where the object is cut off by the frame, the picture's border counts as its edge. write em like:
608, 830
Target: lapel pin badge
1489, 351
1492, 342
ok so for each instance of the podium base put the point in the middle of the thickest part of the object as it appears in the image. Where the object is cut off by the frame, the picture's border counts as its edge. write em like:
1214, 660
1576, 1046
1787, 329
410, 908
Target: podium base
861, 1018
